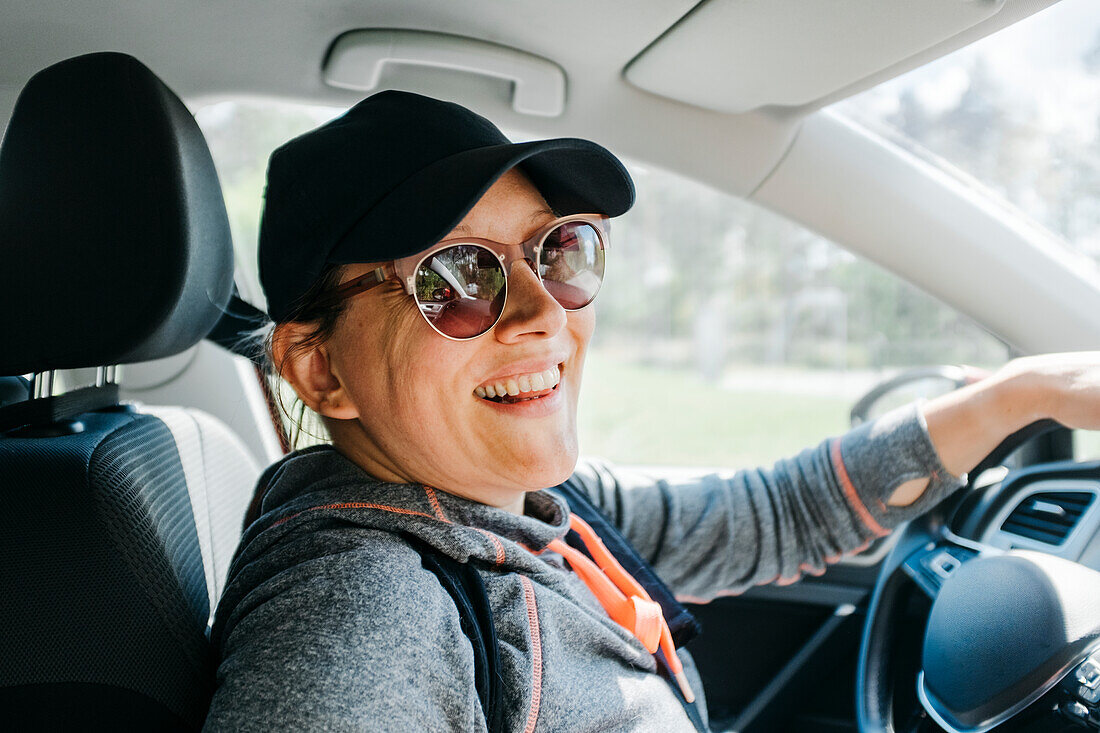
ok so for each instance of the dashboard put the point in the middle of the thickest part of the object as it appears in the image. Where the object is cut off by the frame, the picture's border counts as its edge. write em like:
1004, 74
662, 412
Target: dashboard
1051, 508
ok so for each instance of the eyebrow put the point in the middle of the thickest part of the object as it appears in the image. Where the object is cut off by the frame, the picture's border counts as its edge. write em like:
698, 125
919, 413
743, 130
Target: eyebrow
462, 228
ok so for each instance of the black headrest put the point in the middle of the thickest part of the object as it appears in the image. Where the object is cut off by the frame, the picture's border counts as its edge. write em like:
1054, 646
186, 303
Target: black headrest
114, 241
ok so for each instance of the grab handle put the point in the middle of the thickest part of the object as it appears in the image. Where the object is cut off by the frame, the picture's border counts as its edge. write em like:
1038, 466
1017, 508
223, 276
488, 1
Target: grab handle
358, 57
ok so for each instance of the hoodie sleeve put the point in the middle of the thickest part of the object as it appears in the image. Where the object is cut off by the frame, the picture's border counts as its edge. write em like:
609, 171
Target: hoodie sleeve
355, 635
723, 534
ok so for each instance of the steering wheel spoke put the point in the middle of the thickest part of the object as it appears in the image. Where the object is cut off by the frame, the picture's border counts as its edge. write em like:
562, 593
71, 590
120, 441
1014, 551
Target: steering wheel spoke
925, 555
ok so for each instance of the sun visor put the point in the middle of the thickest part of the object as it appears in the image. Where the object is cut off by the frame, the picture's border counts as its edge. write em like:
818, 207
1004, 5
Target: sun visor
739, 55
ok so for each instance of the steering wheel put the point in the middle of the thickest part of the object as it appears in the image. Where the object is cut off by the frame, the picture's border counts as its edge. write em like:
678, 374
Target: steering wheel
1010, 636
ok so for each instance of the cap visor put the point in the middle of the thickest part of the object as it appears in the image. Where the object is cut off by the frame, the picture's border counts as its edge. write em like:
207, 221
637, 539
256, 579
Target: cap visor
574, 176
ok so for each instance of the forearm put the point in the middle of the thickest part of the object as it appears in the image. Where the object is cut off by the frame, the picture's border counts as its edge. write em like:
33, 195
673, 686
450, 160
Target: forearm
967, 424
724, 534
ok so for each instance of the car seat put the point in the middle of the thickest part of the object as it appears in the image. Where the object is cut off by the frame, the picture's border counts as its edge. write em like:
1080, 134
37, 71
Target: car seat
117, 523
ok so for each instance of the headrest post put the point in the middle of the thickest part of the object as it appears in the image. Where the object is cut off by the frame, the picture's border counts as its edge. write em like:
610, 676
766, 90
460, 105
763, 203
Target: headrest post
42, 385
107, 375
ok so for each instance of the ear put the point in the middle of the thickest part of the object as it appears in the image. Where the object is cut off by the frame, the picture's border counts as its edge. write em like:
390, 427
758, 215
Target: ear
307, 369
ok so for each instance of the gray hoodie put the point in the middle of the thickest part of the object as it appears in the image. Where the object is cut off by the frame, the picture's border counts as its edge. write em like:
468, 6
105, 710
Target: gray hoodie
329, 621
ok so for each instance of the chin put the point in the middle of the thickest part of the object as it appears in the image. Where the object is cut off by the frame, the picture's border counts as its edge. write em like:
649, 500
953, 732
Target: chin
550, 470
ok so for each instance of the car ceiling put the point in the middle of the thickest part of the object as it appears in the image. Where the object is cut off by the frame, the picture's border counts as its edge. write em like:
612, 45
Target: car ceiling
209, 50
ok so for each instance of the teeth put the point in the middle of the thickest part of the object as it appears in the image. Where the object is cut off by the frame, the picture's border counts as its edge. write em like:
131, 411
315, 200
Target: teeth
513, 386
551, 377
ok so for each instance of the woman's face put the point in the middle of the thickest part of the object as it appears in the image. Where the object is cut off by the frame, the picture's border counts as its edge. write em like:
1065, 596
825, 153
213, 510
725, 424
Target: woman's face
407, 404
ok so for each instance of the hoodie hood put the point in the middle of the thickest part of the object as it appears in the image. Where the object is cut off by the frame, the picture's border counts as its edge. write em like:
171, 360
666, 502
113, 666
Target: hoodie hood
319, 486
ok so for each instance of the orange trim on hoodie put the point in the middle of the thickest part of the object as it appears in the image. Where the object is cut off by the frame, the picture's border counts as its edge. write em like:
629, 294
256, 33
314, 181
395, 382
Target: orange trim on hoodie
536, 653
354, 505
850, 492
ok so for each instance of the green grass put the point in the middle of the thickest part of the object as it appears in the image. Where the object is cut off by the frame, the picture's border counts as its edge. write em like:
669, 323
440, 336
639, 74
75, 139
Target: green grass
633, 414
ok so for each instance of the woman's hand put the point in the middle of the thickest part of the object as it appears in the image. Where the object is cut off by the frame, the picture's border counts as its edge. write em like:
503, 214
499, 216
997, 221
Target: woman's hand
1063, 387
967, 424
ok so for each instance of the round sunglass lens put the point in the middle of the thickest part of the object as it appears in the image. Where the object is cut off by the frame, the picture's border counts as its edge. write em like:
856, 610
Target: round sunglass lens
571, 264
460, 290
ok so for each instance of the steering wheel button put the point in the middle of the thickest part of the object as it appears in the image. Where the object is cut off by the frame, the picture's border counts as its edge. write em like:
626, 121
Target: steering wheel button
1089, 695
1088, 674
944, 564
1076, 710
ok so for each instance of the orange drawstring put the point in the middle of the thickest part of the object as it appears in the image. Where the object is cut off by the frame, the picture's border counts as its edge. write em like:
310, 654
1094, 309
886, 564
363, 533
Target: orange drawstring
625, 600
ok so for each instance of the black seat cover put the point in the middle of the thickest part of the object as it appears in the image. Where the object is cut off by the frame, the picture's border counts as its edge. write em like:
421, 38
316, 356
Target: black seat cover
102, 578
116, 248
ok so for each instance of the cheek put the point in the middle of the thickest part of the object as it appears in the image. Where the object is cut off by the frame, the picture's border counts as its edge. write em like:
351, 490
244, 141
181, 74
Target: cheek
372, 351
581, 324
411, 375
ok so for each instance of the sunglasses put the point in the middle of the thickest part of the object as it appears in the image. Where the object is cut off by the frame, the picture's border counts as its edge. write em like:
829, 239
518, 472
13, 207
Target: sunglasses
461, 285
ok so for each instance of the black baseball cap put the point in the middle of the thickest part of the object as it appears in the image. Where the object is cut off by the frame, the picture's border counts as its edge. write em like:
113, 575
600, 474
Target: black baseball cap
394, 174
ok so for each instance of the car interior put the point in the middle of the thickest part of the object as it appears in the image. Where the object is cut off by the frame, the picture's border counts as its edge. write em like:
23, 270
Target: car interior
135, 417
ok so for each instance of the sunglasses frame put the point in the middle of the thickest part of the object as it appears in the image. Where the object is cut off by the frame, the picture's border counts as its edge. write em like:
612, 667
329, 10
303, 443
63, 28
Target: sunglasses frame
404, 269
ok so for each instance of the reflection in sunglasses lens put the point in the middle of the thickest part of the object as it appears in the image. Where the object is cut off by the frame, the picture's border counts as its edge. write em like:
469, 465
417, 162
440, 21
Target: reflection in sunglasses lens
571, 264
460, 290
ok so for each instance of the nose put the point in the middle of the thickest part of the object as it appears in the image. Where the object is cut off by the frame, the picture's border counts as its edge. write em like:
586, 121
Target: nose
530, 311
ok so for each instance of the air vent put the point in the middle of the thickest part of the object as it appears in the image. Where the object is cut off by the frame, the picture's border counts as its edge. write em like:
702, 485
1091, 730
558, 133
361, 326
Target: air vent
1049, 516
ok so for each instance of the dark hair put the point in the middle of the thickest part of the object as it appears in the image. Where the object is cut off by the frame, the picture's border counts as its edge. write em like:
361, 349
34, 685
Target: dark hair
322, 313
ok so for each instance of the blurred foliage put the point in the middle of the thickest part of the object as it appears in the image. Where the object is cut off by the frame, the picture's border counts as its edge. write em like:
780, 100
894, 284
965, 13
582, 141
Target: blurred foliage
696, 275
1023, 119
242, 136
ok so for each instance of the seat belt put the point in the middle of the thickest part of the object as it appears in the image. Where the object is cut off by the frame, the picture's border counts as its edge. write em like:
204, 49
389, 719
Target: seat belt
683, 626
463, 583
465, 587
681, 623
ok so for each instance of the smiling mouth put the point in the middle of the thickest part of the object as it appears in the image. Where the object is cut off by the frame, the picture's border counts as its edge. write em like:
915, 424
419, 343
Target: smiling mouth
521, 387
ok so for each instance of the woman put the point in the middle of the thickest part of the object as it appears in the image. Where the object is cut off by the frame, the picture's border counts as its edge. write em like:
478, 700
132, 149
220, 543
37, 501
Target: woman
428, 281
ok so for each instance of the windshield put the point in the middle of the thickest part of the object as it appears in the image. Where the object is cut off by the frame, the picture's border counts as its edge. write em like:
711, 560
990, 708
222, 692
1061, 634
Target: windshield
1018, 111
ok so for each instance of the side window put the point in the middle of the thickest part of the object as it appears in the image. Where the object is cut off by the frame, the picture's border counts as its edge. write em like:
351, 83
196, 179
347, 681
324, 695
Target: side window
241, 137
728, 336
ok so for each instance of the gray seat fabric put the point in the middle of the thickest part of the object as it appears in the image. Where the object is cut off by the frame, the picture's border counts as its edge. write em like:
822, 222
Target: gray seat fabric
221, 475
117, 524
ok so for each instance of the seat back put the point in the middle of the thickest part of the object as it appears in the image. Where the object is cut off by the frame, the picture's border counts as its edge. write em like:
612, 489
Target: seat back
102, 585
117, 524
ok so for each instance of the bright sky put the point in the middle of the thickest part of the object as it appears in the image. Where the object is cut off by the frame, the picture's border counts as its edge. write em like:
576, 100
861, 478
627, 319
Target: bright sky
1038, 62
